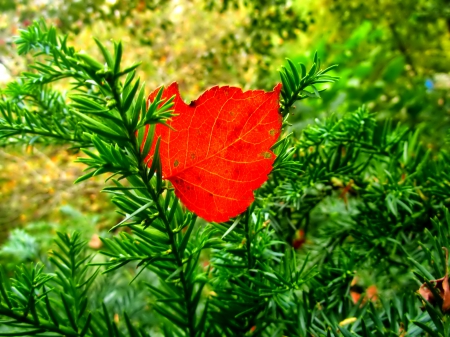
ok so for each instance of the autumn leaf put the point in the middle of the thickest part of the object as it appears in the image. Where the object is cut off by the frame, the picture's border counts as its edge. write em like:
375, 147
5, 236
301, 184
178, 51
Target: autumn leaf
442, 287
217, 151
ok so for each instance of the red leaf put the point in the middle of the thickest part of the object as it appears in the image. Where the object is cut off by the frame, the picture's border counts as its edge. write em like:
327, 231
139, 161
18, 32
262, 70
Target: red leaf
220, 151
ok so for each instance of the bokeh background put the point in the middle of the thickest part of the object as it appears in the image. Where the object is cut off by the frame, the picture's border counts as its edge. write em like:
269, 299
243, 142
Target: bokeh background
393, 57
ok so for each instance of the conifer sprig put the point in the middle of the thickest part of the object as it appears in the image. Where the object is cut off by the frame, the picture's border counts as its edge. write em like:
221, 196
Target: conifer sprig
296, 82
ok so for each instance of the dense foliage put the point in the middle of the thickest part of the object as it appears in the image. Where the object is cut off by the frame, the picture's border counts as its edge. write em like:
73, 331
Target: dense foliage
351, 223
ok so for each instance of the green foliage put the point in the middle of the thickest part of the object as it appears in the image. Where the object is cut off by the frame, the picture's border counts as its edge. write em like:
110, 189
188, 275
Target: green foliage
36, 114
20, 245
381, 66
363, 191
264, 18
295, 82
37, 302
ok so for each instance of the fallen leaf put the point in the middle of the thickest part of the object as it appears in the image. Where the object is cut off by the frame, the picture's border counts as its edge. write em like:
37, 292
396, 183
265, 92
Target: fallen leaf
441, 285
299, 239
217, 151
95, 242
371, 293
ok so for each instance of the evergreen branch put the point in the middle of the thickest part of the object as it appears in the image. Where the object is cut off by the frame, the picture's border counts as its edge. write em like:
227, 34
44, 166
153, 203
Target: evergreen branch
295, 83
34, 327
30, 304
116, 124
155, 195
34, 114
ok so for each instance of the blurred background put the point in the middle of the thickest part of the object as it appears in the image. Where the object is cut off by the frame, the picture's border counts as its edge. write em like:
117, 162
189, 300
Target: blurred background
393, 57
